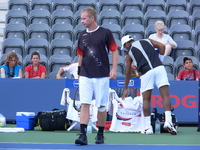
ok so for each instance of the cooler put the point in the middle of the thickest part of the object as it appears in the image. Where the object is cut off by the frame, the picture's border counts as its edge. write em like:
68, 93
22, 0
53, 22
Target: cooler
25, 120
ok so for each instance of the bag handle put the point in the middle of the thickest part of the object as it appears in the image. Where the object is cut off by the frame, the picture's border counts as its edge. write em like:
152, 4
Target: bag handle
194, 75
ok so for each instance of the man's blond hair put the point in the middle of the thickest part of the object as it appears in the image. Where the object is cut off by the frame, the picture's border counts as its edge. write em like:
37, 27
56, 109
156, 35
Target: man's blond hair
91, 12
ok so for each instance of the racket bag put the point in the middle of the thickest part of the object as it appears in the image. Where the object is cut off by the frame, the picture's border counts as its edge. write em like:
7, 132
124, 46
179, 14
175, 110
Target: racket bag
52, 120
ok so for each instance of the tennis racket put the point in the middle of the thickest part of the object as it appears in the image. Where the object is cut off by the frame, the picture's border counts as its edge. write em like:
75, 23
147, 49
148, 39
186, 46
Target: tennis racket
76, 101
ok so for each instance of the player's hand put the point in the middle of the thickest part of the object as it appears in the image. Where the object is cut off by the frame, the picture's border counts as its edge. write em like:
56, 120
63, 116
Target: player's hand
59, 77
125, 94
112, 75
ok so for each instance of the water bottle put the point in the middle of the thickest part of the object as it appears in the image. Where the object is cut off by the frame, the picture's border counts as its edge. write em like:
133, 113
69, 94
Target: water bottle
89, 127
157, 126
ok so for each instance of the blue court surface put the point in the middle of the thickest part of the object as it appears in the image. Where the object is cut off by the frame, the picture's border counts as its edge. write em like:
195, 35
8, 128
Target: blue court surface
39, 146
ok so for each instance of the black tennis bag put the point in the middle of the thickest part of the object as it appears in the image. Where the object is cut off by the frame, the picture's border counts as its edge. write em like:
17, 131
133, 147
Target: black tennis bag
155, 115
52, 120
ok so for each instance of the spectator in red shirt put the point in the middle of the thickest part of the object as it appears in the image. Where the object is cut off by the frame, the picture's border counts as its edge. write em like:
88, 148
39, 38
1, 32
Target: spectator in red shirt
35, 70
188, 73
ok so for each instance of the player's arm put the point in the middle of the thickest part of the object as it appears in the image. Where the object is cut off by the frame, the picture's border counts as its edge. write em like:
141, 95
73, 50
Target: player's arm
127, 75
80, 58
159, 45
58, 76
114, 64
3, 73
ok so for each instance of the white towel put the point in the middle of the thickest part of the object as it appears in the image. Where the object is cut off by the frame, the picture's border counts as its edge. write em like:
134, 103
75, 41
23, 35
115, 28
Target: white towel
74, 115
65, 97
11, 129
112, 96
126, 120
132, 104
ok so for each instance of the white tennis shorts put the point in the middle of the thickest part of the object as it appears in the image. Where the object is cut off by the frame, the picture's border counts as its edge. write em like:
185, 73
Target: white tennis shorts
97, 86
156, 76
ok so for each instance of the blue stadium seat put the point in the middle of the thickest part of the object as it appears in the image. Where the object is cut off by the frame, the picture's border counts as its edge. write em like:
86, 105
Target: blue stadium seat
180, 17
17, 16
151, 16
198, 51
184, 48
110, 17
77, 18
197, 34
132, 17
115, 29
80, 4
168, 63
39, 30
40, 16
176, 5
135, 30
131, 5
16, 30
19, 5
63, 5
120, 52
61, 46
109, 5
170, 76
62, 31
37, 44
41, 4
75, 59
62, 16
52, 75
13, 45
180, 32
195, 18
78, 28
120, 64
57, 61
153, 5
193, 5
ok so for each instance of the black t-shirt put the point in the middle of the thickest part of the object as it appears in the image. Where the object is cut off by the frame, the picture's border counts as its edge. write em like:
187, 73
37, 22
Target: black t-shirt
94, 48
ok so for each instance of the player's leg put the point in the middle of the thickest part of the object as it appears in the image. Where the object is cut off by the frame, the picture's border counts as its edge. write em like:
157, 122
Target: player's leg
146, 110
101, 89
86, 93
163, 84
147, 84
167, 107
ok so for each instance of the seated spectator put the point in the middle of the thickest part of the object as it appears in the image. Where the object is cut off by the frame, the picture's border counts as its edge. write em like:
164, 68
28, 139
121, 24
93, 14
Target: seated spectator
188, 73
72, 69
163, 38
35, 70
11, 69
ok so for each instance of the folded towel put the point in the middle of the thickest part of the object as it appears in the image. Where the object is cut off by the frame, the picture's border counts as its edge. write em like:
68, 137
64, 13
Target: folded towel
65, 97
11, 129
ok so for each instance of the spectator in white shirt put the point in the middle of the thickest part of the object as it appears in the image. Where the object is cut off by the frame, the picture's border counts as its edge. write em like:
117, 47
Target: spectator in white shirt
163, 38
71, 68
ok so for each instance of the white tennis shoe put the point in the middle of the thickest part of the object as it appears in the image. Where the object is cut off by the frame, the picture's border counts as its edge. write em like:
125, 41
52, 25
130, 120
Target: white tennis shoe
170, 128
148, 131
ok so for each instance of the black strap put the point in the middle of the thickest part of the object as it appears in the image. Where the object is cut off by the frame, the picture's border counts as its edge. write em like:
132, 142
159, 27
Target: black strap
194, 75
13, 73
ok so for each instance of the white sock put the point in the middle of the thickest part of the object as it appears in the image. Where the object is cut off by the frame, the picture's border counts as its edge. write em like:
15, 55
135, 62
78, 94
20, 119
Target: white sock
147, 121
168, 116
